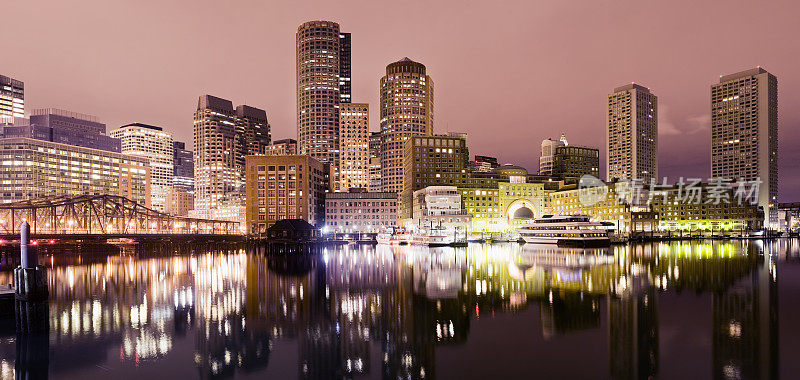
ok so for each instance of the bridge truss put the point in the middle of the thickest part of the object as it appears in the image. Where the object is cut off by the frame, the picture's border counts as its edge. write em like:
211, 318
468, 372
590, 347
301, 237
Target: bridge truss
102, 215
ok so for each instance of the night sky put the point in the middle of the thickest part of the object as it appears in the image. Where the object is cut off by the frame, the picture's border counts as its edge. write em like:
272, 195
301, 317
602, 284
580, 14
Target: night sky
510, 73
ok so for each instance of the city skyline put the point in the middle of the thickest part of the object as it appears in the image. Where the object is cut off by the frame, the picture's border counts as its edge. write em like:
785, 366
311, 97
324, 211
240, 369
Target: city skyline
667, 63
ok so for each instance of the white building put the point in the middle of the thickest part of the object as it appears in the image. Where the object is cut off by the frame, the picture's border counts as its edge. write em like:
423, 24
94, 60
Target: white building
155, 145
744, 134
439, 206
632, 133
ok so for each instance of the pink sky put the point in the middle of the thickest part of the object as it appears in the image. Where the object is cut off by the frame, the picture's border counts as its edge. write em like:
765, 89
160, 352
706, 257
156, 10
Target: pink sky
509, 73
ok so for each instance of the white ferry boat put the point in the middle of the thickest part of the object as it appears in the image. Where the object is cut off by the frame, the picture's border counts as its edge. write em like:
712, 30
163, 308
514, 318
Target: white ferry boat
567, 230
432, 237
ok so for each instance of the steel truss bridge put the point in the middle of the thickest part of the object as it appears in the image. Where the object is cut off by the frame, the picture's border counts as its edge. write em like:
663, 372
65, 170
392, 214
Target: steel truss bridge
102, 216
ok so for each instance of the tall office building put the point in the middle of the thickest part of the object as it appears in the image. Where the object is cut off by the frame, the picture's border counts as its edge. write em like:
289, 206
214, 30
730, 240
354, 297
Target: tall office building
253, 129
354, 137
223, 136
183, 169
374, 162
560, 159
285, 147
345, 69
155, 146
632, 133
12, 98
63, 127
437, 160
217, 180
744, 134
323, 81
406, 111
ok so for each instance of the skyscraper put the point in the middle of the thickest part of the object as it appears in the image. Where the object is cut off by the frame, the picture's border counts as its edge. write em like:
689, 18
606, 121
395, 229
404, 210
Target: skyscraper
154, 145
354, 137
374, 162
285, 147
183, 170
560, 159
12, 98
223, 136
323, 77
632, 133
216, 175
744, 134
406, 111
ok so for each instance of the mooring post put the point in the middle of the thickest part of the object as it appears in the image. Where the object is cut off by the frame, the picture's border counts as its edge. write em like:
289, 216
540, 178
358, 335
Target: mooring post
30, 287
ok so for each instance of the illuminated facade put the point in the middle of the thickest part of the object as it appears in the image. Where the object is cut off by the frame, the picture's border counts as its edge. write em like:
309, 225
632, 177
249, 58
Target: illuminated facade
31, 168
12, 98
323, 82
374, 162
63, 127
223, 136
360, 211
156, 146
744, 134
283, 187
183, 169
179, 202
435, 206
285, 147
406, 111
632, 133
439, 160
354, 140
559, 159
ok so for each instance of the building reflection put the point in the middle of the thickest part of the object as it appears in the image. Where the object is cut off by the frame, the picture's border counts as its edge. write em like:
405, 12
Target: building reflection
383, 311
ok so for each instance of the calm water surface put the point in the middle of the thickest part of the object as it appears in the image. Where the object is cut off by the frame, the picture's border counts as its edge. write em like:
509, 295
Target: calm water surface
713, 309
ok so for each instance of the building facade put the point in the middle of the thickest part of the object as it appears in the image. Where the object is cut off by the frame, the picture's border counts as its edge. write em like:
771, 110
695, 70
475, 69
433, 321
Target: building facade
179, 202
183, 170
406, 111
560, 159
12, 98
483, 164
744, 134
632, 134
374, 162
439, 160
32, 168
283, 187
285, 147
360, 211
223, 136
64, 127
156, 146
323, 80
436, 206
354, 140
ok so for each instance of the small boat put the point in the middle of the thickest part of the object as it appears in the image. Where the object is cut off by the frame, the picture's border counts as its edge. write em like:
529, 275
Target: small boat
576, 230
432, 237
393, 237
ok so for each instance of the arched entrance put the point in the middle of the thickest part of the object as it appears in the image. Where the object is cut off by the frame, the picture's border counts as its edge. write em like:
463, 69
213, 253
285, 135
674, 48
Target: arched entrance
522, 209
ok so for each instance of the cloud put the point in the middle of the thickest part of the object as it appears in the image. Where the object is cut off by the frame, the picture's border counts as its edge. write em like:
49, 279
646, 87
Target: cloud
689, 125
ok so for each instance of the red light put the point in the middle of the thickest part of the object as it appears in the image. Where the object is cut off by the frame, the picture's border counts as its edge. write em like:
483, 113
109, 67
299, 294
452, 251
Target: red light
52, 241
34, 242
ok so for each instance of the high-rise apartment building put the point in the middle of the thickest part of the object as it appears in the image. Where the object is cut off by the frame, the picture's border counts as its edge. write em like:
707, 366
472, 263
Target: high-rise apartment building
283, 187
439, 160
744, 134
354, 140
155, 146
560, 159
632, 133
183, 170
12, 98
285, 147
406, 111
323, 81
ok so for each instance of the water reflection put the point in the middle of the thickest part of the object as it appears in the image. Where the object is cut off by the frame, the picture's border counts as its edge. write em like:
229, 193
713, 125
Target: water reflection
387, 311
